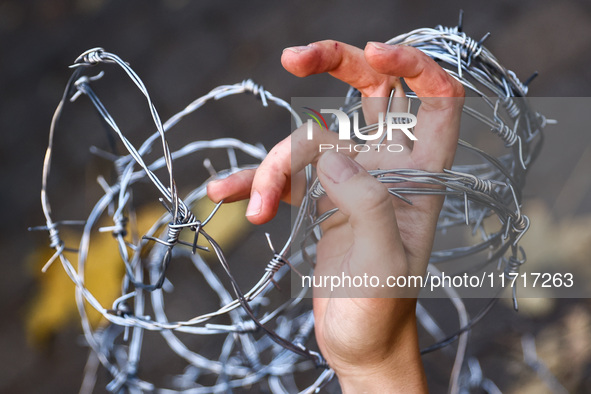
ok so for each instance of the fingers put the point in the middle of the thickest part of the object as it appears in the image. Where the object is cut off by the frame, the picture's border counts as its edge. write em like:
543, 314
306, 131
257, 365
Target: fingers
265, 186
272, 180
235, 187
375, 72
441, 96
366, 202
342, 61
421, 73
347, 63
437, 133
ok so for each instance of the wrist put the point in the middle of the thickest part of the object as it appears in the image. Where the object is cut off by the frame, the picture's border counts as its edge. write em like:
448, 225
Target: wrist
401, 371
392, 380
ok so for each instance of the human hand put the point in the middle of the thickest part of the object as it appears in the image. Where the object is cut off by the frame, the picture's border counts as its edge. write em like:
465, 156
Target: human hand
368, 338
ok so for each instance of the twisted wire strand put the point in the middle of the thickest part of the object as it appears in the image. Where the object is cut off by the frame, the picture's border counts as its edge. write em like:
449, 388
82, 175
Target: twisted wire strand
120, 314
473, 192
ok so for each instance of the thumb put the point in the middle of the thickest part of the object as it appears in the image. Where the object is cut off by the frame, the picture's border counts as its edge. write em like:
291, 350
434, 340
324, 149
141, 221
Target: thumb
377, 246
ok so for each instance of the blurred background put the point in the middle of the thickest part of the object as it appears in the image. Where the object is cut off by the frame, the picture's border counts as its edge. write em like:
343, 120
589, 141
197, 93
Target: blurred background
182, 49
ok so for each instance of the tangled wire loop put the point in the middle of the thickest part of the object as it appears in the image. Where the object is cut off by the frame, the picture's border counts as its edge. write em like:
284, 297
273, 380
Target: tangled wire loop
472, 194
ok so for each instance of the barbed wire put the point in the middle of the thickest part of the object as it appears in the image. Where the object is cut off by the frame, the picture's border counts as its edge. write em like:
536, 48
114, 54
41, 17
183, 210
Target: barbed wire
473, 192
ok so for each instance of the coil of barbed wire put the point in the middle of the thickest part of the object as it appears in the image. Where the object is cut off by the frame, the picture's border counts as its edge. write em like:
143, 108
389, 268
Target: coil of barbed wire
473, 192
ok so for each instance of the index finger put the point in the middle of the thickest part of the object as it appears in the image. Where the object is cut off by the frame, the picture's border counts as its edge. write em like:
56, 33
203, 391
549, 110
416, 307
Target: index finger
342, 61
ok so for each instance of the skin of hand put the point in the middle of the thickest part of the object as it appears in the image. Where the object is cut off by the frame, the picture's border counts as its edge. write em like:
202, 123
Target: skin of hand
369, 338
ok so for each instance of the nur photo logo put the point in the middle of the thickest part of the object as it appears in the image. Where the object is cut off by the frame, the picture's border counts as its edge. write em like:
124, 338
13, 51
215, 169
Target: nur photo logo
381, 132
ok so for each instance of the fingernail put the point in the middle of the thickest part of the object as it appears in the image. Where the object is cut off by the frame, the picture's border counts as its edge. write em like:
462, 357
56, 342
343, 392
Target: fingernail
380, 45
297, 49
255, 204
337, 167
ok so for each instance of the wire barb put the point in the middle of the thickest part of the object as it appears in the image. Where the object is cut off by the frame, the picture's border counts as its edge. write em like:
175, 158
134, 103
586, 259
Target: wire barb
472, 192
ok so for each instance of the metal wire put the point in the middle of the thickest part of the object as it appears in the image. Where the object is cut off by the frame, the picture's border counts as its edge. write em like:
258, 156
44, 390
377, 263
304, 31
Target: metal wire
490, 188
